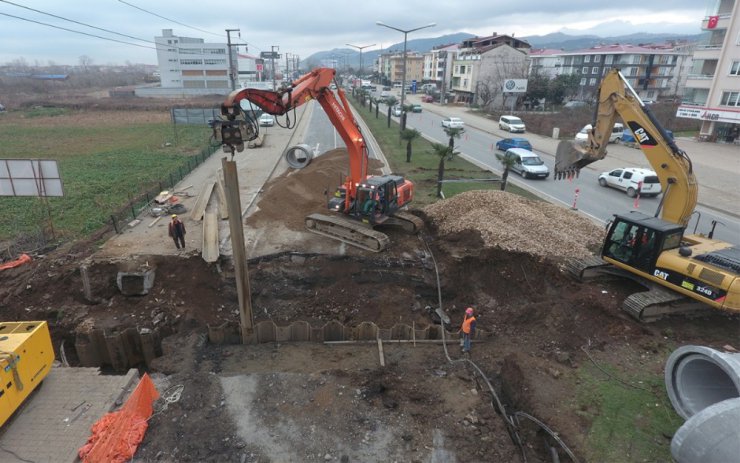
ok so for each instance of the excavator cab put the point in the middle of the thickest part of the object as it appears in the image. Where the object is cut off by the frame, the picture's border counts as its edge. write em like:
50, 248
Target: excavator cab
637, 240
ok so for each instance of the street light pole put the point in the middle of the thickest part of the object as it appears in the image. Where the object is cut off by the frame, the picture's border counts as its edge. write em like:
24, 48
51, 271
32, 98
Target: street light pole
231, 58
405, 34
360, 48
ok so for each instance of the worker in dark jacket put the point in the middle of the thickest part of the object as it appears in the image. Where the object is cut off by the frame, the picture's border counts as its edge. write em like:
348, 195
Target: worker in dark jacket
468, 328
177, 231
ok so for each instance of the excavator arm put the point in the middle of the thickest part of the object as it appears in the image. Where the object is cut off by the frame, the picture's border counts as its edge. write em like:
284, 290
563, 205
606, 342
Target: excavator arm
617, 98
314, 85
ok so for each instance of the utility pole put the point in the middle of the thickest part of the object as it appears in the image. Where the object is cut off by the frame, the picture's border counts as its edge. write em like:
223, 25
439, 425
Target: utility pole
272, 57
231, 59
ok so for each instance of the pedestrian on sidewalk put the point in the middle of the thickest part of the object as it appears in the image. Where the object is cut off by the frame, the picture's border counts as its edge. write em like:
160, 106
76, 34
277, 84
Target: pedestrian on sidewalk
467, 328
177, 231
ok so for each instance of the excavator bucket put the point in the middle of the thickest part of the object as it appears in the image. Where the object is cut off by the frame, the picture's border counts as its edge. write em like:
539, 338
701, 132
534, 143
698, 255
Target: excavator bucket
570, 158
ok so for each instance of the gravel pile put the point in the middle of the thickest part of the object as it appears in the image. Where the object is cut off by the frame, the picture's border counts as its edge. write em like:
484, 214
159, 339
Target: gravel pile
513, 223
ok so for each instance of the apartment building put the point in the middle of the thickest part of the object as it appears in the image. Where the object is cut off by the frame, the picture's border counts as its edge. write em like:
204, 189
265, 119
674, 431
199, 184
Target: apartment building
654, 71
438, 65
713, 85
390, 67
193, 65
483, 64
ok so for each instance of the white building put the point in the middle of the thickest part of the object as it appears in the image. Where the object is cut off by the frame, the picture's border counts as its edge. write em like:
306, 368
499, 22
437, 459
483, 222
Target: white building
193, 65
712, 92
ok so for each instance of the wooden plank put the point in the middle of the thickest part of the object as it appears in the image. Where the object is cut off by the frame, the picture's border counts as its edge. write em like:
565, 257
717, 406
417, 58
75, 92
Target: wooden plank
222, 208
154, 221
380, 353
209, 249
199, 208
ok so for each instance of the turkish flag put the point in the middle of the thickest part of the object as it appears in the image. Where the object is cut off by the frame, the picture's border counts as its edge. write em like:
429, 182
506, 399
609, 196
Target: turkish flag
712, 23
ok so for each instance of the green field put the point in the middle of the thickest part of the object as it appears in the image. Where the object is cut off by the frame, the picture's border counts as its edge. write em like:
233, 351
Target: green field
106, 161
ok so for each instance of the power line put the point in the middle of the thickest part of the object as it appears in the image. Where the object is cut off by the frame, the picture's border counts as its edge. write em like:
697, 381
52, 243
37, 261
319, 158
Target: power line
76, 22
168, 19
76, 32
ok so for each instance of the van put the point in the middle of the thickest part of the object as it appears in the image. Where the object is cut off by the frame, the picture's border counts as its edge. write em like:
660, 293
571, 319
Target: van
527, 163
614, 137
511, 123
632, 180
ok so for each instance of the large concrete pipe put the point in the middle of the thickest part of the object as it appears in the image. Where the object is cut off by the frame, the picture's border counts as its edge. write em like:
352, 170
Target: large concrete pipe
697, 377
298, 156
704, 387
710, 436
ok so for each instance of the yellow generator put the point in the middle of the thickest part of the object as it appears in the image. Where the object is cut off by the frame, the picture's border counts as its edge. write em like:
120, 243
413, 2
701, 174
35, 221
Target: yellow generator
26, 355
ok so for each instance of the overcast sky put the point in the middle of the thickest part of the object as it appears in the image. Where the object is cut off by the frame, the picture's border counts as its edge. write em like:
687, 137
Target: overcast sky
303, 27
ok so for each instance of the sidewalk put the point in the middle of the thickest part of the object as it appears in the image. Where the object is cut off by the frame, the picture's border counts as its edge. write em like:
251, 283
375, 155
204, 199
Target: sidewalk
717, 166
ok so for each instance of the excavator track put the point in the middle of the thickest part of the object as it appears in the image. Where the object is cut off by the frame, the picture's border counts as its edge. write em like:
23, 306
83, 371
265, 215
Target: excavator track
657, 302
586, 268
409, 222
347, 231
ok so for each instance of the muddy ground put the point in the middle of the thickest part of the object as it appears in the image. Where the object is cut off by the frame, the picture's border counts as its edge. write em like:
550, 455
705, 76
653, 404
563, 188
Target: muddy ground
316, 402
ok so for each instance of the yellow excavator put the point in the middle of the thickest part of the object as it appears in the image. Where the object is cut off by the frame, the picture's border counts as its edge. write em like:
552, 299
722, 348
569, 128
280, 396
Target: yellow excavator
681, 272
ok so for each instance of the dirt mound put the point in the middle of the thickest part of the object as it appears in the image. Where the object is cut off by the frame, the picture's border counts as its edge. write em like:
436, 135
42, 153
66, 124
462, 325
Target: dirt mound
513, 223
289, 198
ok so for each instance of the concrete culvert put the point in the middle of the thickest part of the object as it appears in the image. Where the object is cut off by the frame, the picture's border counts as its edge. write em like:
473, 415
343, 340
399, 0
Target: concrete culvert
697, 377
710, 436
298, 156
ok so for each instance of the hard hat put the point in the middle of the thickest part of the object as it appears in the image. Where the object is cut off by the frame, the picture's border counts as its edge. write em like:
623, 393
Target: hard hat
469, 311
174, 215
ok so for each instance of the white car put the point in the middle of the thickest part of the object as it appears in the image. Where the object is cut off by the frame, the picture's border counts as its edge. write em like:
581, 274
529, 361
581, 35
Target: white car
453, 122
396, 111
266, 120
632, 180
512, 124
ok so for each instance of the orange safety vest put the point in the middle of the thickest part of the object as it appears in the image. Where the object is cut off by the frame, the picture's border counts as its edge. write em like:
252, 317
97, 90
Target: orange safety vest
466, 324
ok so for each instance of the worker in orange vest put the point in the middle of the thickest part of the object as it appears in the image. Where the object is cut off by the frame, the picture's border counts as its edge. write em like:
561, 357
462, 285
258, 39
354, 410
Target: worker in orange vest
468, 328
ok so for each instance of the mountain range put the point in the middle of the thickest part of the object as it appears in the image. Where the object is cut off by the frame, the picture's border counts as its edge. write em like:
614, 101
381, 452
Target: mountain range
557, 40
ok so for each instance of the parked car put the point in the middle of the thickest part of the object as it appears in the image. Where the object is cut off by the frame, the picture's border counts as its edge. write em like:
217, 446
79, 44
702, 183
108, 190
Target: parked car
453, 122
614, 137
427, 99
516, 142
416, 108
266, 120
526, 163
631, 180
386, 87
396, 111
511, 123
575, 104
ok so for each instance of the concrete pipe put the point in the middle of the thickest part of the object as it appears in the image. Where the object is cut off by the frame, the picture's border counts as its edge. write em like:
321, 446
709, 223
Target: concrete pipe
710, 436
698, 377
298, 156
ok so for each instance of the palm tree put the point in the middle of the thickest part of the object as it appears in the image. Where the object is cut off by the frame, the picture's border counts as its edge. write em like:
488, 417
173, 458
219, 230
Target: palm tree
406, 109
391, 102
444, 152
453, 133
409, 135
507, 162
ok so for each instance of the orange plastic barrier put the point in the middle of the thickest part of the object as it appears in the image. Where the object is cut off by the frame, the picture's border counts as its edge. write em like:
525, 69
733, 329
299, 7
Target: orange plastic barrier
23, 259
117, 435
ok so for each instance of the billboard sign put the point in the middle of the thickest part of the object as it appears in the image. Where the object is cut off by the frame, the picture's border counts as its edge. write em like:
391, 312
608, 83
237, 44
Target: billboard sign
515, 86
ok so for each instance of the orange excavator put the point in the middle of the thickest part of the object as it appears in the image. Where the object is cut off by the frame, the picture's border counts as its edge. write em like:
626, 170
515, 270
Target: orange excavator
369, 201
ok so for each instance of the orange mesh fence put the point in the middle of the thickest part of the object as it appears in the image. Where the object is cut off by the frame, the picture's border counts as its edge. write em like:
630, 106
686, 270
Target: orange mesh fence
117, 435
24, 258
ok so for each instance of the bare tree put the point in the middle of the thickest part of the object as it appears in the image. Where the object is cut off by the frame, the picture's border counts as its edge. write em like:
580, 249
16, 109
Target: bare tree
85, 62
